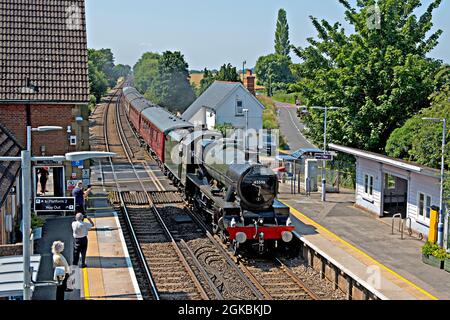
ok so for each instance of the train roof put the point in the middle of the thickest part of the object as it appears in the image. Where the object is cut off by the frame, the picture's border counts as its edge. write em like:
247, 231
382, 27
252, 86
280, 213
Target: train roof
136, 99
164, 120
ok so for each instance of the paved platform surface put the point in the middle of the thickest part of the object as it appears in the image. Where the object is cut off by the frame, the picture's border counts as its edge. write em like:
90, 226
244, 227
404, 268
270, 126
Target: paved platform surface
363, 243
110, 275
55, 229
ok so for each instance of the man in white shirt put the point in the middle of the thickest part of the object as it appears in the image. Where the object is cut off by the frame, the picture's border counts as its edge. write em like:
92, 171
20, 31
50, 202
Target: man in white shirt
80, 236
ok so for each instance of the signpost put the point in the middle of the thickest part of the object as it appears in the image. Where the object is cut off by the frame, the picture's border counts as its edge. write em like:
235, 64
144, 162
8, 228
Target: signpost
323, 156
54, 204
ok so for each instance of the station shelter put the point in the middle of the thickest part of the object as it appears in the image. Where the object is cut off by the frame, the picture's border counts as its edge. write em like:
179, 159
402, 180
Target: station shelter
386, 186
302, 169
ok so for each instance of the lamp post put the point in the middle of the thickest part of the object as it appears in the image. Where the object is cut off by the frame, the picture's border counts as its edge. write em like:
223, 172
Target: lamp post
26, 160
324, 169
441, 201
247, 144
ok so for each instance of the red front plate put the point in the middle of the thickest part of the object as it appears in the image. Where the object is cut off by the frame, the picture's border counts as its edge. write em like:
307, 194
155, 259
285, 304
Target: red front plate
270, 233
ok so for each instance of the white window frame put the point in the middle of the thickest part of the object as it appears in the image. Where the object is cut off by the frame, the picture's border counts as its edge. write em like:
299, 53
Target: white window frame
367, 187
241, 107
423, 218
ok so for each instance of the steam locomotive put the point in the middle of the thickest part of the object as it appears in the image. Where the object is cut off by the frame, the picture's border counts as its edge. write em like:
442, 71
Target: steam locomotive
235, 194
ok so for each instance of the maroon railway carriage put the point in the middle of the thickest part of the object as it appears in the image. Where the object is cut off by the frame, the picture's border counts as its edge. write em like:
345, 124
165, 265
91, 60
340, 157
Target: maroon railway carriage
156, 124
134, 104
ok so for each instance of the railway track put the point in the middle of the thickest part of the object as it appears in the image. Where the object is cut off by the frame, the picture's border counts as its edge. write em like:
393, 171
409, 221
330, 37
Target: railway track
167, 271
175, 248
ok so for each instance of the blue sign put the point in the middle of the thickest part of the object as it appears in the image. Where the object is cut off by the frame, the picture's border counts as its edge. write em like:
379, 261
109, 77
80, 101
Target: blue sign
77, 164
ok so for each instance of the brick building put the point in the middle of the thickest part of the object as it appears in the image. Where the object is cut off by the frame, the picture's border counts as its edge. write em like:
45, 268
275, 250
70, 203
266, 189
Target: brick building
44, 79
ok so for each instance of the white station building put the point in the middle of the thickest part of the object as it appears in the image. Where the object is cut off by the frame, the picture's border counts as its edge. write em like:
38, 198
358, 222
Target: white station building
386, 186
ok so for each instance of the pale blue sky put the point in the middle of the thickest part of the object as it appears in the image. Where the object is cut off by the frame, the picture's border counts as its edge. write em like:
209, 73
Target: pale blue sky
212, 32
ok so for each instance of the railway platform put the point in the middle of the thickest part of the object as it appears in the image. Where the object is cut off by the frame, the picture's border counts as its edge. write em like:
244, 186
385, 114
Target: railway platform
363, 244
109, 276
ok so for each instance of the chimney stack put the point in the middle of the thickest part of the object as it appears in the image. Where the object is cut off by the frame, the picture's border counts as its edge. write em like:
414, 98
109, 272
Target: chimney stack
249, 82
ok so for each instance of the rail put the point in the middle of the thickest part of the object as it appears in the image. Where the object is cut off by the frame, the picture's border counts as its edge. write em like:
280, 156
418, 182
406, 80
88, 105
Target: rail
140, 253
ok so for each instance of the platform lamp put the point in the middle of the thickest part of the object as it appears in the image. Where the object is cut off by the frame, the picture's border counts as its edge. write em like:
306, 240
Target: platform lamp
324, 170
26, 161
441, 201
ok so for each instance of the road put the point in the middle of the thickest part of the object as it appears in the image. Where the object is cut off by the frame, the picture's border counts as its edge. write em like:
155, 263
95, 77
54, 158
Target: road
291, 127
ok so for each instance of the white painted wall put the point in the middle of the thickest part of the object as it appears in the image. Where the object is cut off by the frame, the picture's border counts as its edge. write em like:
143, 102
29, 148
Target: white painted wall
371, 203
417, 183
226, 112
422, 184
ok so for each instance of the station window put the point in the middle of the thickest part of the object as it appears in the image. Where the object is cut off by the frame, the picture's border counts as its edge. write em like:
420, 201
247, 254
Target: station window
424, 206
390, 182
239, 108
368, 185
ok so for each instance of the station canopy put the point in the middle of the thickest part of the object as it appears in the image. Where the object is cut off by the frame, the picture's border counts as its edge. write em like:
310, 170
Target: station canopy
11, 275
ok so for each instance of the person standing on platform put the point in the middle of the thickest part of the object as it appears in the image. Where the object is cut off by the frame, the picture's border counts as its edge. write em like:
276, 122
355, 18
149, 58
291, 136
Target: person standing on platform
80, 197
80, 236
44, 173
60, 261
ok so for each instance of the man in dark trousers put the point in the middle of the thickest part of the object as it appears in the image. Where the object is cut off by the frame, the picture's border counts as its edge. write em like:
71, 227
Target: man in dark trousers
80, 236
80, 196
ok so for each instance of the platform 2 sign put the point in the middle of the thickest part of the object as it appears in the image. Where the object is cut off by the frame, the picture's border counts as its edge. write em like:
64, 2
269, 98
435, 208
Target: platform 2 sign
54, 204
323, 156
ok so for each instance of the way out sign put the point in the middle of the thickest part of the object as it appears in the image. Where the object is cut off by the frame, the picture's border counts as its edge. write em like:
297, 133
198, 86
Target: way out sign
54, 204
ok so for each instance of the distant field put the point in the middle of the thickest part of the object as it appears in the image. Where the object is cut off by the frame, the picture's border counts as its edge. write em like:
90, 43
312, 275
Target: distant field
197, 77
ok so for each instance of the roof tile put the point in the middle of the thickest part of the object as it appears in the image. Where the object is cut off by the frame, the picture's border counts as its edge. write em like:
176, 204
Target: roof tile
45, 41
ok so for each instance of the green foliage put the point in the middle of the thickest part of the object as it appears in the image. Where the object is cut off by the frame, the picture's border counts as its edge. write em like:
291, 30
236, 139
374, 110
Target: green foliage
208, 79
429, 248
103, 59
270, 117
170, 87
121, 71
222, 128
282, 44
440, 254
36, 222
226, 73
273, 71
98, 83
282, 96
102, 71
421, 140
379, 77
146, 70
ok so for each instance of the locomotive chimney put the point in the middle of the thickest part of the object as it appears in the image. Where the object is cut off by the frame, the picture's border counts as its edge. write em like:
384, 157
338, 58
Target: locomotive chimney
249, 81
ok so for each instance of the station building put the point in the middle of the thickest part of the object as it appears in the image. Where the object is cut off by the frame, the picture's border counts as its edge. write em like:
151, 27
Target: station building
44, 82
387, 186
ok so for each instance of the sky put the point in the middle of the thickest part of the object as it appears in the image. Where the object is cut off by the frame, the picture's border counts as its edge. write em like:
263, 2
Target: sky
212, 32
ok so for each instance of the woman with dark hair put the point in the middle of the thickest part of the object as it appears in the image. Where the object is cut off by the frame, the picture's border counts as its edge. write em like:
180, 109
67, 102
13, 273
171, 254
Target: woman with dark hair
43, 179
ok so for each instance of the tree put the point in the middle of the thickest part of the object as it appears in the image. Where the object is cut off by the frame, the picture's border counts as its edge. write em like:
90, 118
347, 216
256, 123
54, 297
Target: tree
419, 140
146, 70
379, 75
121, 71
227, 73
171, 87
103, 59
98, 83
282, 43
273, 72
207, 80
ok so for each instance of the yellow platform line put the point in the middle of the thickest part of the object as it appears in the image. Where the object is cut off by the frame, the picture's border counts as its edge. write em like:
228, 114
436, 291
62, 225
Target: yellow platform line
87, 294
315, 224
